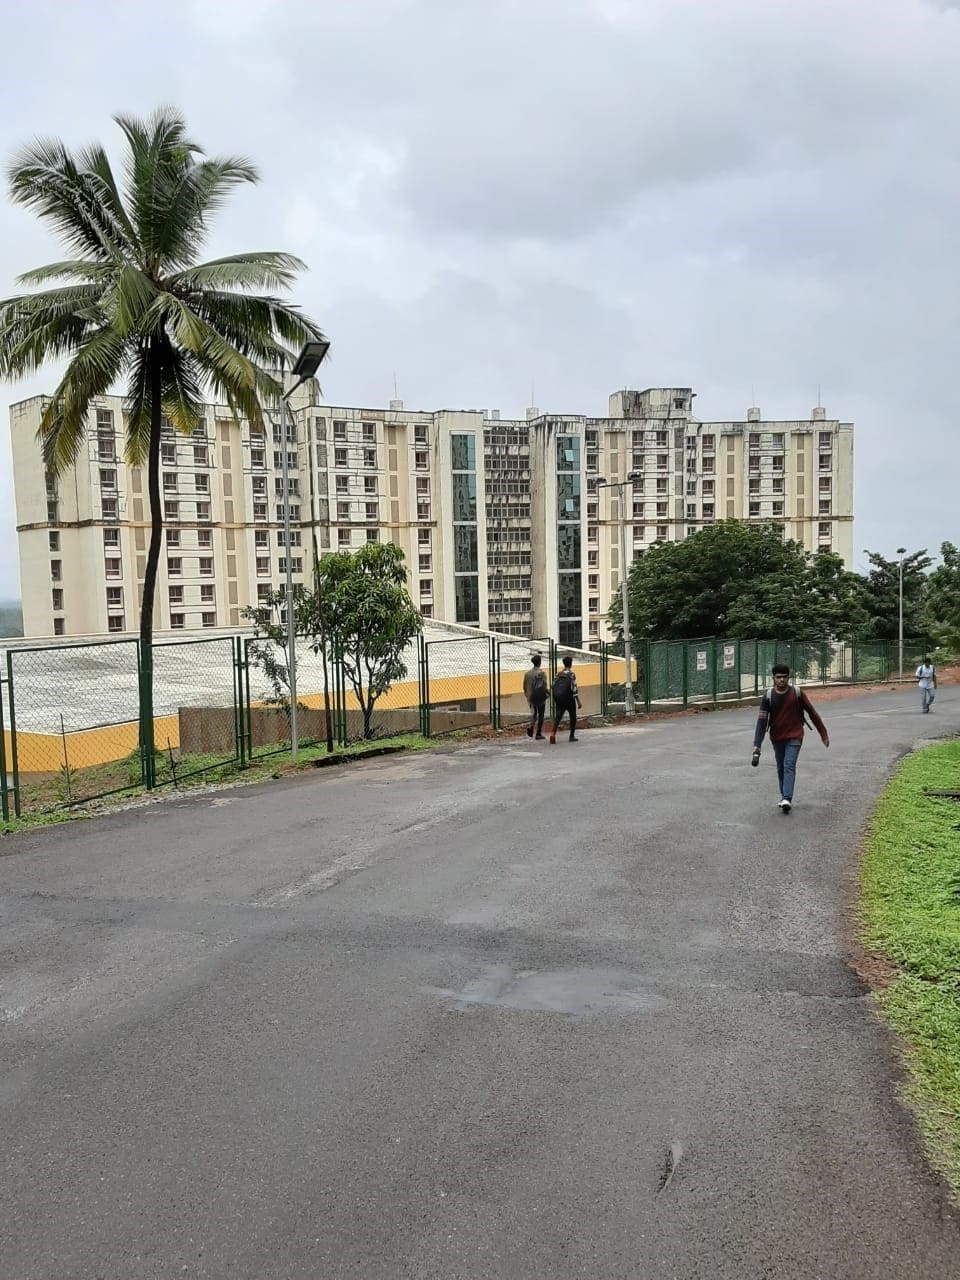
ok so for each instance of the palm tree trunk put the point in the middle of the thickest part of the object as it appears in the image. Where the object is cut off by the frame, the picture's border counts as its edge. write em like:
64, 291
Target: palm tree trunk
150, 575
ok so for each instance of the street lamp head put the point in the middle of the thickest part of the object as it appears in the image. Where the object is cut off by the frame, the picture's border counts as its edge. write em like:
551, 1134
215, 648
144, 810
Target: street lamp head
601, 480
310, 358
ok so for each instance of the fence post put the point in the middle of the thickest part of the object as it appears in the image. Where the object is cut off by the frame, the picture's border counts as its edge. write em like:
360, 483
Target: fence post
493, 682
756, 668
14, 760
603, 677
424, 679
4, 797
717, 649
686, 678
646, 676
240, 745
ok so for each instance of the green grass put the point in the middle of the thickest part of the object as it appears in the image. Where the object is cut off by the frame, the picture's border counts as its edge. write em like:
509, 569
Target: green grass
910, 913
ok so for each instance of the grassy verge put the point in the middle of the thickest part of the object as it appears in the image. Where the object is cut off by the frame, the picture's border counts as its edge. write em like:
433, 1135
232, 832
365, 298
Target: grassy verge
44, 802
910, 914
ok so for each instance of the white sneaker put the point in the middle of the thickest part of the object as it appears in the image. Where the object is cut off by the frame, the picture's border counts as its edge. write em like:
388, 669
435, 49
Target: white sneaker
785, 805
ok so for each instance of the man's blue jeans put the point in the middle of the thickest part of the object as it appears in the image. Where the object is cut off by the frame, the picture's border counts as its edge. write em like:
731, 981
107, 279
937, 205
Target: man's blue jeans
926, 697
786, 756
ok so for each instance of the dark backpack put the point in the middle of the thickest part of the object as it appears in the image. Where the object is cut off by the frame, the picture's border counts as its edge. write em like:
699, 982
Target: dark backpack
561, 686
539, 691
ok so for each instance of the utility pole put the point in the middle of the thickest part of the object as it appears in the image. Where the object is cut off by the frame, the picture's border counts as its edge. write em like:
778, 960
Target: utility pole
901, 552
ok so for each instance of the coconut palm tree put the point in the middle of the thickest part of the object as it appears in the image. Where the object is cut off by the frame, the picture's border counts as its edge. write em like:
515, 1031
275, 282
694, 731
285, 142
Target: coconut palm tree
134, 307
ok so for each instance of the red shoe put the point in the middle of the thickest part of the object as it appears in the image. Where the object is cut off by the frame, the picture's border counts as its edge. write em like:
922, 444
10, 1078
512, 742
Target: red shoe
553, 739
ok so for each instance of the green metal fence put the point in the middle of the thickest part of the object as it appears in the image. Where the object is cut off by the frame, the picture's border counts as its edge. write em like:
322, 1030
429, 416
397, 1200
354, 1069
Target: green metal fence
71, 712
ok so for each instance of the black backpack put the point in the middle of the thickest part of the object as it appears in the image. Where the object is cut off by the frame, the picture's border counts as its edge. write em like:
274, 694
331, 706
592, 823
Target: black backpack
561, 686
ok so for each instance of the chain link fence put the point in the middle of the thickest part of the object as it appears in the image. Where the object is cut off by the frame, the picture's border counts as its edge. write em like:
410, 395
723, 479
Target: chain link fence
70, 712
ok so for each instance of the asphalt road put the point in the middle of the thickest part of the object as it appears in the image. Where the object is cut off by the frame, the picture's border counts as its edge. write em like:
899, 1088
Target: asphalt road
510, 1010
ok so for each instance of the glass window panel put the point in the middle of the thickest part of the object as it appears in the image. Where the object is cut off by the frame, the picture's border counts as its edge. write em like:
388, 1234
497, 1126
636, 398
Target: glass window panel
570, 596
568, 453
571, 633
568, 497
468, 598
568, 546
465, 548
463, 453
464, 496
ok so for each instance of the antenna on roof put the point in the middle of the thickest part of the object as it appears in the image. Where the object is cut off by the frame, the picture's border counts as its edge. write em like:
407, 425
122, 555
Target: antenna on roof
819, 405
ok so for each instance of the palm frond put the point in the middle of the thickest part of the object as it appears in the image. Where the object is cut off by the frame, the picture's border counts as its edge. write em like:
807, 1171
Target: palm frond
91, 372
254, 319
240, 271
130, 300
137, 408
159, 153
71, 269
43, 326
181, 392
45, 177
199, 191
94, 160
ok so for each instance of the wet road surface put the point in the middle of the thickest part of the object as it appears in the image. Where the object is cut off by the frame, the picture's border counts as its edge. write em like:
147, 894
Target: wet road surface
506, 1011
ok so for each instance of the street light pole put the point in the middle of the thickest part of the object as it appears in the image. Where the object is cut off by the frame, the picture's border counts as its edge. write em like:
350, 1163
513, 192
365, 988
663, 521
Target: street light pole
305, 367
901, 551
630, 706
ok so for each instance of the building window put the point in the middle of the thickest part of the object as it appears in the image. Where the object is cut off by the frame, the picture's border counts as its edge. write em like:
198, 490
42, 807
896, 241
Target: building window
423, 537
114, 597
426, 563
339, 429
778, 508
173, 537
777, 462
56, 570
205, 565
59, 628
420, 434
708, 444
343, 538
204, 537
341, 484
207, 592
708, 488
463, 460
261, 538
426, 587
826, 440
370, 484
373, 535
370, 458
201, 457
778, 484
259, 486
373, 511
753, 484
825, 484
691, 511
339, 457
258, 458
108, 508
52, 511
777, 439
108, 479
368, 431
203, 511
661, 533
171, 511
263, 566
824, 528
57, 598
661, 462
53, 540
824, 508
260, 511
168, 454
115, 622
201, 483
754, 509
423, 510
421, 460
112, 568
209, 619
174, 566
176, 621
169, 482
176, 595
343, 510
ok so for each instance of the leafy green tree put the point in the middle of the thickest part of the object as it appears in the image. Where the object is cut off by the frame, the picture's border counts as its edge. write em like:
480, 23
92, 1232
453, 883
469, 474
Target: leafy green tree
364, 611
140, 310
942, 604
681, 590
822, 603
880, 596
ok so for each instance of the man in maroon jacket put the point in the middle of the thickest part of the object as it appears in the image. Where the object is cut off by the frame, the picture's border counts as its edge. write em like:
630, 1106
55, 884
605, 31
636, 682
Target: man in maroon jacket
782, 710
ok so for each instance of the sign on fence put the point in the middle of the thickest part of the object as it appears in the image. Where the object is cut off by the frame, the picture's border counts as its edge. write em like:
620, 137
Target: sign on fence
701, 659
729, 656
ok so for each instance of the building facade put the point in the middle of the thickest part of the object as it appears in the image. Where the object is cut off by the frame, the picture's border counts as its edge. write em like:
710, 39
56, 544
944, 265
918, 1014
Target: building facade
505, 524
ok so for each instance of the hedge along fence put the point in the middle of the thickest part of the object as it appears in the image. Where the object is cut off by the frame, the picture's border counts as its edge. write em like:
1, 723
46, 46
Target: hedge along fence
70, 712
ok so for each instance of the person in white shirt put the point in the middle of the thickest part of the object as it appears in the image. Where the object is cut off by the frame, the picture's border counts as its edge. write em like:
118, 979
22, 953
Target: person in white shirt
927, 677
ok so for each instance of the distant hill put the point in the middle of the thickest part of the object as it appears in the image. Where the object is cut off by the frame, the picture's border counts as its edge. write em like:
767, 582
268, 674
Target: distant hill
11, 618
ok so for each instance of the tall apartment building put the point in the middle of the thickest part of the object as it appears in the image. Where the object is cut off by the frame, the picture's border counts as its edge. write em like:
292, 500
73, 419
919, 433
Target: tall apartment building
503, 522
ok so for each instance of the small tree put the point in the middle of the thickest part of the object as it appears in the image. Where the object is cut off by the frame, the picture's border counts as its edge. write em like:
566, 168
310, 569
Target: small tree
363, 609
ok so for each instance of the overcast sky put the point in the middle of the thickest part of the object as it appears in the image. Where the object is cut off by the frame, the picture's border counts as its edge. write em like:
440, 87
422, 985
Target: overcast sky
755, 198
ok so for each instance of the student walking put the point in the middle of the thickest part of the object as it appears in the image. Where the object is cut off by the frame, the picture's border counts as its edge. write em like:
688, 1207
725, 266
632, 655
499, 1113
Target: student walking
927, 679
535, 692
567, 697
783, 710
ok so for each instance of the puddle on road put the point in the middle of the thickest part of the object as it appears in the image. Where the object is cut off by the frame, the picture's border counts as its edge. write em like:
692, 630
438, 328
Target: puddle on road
572, 992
